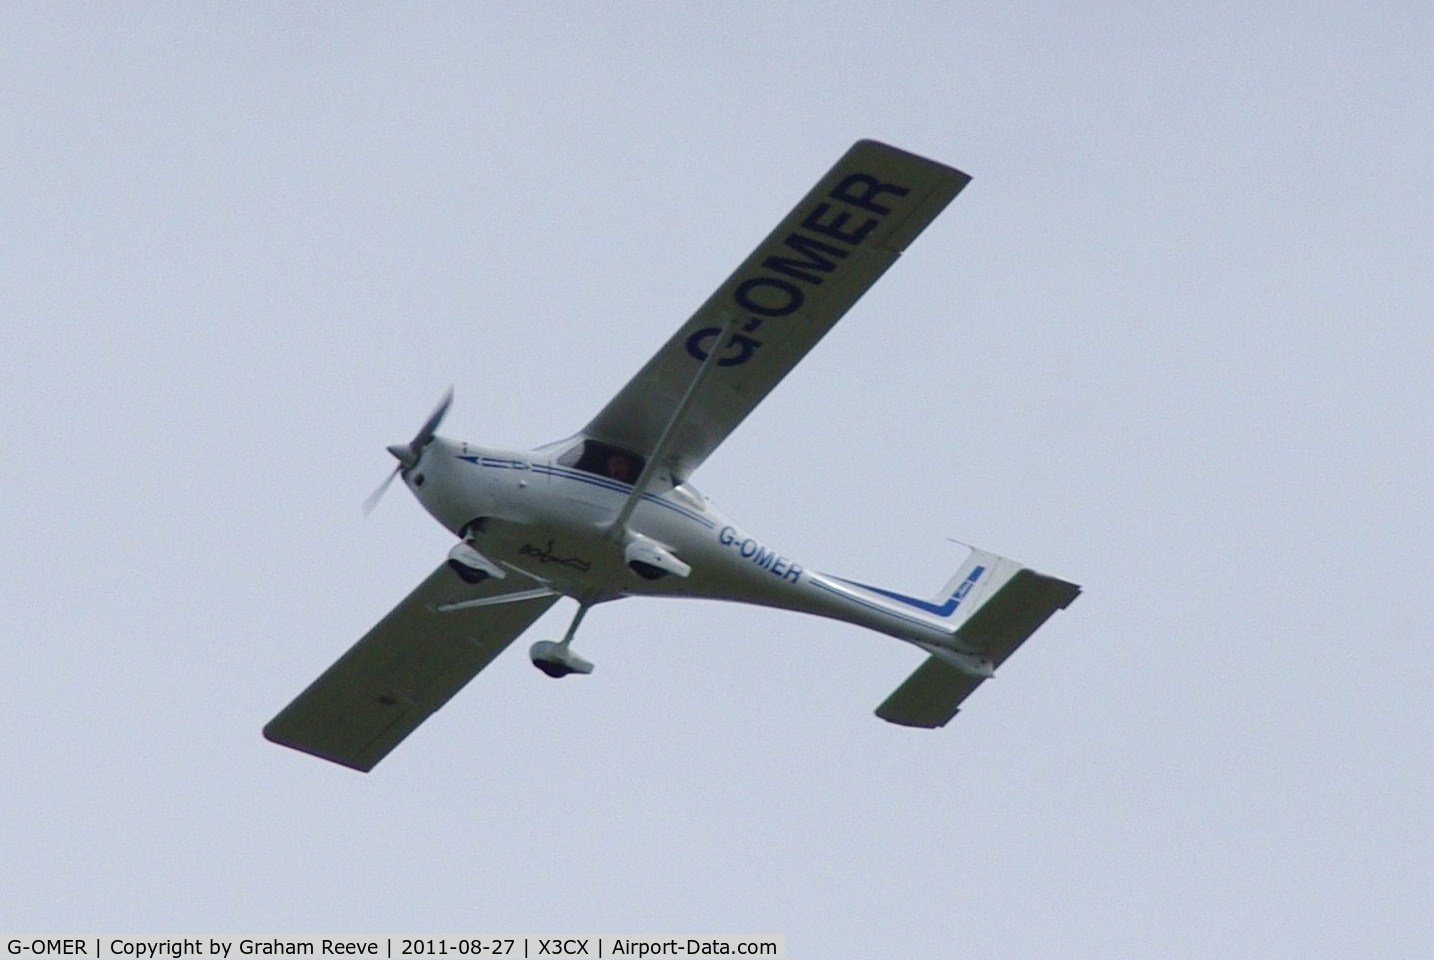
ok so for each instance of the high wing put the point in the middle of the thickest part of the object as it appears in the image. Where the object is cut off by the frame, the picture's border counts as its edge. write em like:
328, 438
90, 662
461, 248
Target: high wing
407, 666
783, 298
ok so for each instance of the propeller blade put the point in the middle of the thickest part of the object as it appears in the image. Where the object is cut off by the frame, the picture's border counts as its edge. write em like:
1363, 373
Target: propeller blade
407, 454
425, 434
377, 495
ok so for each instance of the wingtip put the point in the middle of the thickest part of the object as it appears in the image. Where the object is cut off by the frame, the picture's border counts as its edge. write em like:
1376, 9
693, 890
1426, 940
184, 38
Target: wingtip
273, 733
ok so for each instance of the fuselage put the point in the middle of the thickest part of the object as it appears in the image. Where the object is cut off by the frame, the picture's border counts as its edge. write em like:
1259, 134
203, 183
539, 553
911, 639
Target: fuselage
548, 514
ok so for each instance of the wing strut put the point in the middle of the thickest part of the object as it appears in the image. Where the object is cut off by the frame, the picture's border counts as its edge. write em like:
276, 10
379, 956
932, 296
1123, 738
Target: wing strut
536, 593
669, 433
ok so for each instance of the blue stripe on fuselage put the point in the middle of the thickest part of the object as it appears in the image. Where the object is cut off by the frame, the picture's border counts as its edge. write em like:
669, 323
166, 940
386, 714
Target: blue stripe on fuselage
593, 480
945, 610
852, 598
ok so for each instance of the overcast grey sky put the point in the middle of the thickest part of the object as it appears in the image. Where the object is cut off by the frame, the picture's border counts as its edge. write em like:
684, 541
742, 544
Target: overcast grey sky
1172, 343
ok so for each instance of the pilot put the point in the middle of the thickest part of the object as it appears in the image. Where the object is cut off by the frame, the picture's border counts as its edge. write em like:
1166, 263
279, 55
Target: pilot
620, 467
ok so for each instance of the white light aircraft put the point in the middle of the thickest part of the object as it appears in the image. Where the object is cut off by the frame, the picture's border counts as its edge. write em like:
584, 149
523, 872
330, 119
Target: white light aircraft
611, 512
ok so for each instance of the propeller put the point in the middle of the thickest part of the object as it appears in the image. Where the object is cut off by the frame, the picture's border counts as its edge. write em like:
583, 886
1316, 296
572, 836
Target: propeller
408, 454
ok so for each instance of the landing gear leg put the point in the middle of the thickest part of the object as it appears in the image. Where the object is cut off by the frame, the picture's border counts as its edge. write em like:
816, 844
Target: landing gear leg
558, 659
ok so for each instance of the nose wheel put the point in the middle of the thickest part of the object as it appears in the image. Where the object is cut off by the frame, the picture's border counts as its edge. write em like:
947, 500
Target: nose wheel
557, 659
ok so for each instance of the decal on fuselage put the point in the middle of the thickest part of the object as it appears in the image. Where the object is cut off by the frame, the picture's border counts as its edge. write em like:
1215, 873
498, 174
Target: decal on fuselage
831, 234
546, 555
769, 560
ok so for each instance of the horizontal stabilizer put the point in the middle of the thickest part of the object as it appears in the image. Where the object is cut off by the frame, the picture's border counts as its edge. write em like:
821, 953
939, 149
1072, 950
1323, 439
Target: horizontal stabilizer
932, 695
1016, 611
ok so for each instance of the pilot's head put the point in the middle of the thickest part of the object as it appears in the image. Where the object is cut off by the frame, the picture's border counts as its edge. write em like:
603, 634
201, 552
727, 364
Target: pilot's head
620, 467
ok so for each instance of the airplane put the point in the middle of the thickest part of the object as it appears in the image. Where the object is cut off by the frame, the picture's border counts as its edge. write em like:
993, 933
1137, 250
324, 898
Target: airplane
611, 513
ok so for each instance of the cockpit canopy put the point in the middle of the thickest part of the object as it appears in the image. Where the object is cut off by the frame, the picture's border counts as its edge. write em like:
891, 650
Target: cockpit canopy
605, 460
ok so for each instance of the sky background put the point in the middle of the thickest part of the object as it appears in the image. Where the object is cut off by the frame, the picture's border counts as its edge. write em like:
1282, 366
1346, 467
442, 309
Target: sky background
1172, 343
